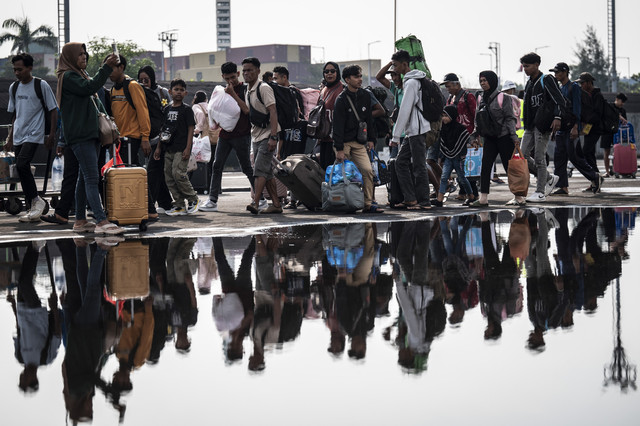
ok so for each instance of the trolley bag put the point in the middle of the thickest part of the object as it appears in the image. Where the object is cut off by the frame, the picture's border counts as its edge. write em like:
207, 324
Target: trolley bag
126, 193
303, 176
128, 270
625, 159
417, 60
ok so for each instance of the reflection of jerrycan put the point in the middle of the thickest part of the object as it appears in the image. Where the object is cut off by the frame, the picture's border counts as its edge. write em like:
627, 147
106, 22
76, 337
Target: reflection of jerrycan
128, 270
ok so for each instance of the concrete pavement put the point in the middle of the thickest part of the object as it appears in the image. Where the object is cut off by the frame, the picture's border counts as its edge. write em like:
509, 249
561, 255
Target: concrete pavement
233, 220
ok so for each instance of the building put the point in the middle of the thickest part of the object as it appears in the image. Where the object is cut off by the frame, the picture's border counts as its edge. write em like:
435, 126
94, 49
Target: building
223, 24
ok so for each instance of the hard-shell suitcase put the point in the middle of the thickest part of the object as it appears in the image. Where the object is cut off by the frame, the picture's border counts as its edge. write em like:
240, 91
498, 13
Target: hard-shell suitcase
303, 176
200, 179
128, 270
126, 195
416, 54
625, 159
281, 189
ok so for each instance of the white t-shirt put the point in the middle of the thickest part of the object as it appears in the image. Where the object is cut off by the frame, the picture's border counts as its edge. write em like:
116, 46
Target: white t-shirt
29, 124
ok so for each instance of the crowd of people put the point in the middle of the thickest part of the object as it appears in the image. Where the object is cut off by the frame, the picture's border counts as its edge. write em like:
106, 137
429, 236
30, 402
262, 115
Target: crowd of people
345, 275
428, 136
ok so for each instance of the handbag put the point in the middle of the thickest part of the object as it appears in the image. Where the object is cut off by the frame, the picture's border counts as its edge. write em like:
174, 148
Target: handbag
201, 149
362, 125
107, 128
344, 196
381, 174
518, 173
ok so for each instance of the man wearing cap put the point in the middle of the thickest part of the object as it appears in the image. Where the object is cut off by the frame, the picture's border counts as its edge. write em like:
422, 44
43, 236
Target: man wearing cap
592, 110
465, 102
569, 144
540, 90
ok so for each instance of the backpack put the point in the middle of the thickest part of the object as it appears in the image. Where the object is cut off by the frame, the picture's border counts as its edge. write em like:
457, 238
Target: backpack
545, 114
154, 106
37, 86
610, 119
286, 104
381, 124
432, 100
486, 125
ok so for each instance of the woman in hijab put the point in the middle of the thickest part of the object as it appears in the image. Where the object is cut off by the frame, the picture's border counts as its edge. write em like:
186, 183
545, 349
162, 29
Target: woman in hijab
502, 113
147, 77
79, 107
331, 88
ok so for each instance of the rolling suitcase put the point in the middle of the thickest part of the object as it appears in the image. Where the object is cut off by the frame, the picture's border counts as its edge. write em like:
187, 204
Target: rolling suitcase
126, 201
625, 159
200, 179
303, 176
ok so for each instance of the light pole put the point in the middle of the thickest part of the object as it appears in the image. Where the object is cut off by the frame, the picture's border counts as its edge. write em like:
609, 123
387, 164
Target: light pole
369, 57
539, 47
169, 37
494, 46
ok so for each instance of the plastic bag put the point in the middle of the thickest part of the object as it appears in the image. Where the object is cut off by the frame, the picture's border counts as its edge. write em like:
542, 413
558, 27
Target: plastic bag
224, 111
201, 149
352, 172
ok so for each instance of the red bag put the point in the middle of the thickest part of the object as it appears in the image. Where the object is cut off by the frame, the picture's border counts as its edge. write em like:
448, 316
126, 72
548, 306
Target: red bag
518, 173
109, 163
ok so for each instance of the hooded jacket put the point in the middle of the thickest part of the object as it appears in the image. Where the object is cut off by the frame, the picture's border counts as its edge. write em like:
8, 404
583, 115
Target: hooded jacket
410, 120
501, 109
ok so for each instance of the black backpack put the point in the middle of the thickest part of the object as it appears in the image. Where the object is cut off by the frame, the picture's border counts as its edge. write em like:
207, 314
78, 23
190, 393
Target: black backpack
610, 119
37, 86
286, 104
432, 99
154, 106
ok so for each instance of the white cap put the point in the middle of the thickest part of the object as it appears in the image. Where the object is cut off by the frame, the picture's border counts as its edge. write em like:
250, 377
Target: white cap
508, 84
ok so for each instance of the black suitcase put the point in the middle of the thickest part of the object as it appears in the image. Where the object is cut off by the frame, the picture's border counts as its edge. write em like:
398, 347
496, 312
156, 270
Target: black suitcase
200, 179
303, 176
394, 193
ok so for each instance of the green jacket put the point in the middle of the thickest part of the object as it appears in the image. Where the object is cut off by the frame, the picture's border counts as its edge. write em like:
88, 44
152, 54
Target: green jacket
79, 115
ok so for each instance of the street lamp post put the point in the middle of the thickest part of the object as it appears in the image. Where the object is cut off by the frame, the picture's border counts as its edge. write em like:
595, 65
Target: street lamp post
369, 57
169, 37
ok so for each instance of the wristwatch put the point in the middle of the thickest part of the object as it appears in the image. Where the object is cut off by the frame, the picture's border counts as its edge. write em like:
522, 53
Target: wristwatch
274, 137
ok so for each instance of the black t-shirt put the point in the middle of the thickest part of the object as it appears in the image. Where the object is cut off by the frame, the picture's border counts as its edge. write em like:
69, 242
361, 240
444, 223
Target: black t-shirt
177, 121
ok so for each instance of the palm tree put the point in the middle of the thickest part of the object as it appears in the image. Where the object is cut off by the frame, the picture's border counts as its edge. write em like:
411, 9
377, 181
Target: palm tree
24, 37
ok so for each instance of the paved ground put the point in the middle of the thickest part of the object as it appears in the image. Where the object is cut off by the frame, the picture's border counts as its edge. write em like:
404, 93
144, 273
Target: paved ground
233, 219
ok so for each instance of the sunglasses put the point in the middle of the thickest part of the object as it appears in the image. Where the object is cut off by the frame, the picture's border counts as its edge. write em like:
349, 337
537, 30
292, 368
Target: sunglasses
329, 71
144, 80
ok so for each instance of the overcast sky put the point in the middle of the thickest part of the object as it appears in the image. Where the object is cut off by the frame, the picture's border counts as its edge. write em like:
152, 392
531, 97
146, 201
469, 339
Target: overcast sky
455, 34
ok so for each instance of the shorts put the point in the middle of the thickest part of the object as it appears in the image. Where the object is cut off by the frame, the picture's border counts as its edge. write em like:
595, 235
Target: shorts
262, 158
606, 141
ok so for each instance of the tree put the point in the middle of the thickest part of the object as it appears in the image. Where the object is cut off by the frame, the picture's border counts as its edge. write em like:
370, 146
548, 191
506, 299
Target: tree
100, 47
592, 59
24, 37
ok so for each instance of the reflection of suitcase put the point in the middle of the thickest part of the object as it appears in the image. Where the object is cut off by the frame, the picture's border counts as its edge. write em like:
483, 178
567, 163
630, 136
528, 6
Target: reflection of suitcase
128, 270
126, 193
625, 159
303, 176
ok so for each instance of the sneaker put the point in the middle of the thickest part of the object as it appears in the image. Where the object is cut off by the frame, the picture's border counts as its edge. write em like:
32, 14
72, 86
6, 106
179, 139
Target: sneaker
108, 229
291, 206
271, 210
588, 189
536, 197
37, 207
551, 183
176, 211
209, 206
262, 204
597, 185
29, 218
161, 210
192, 206
551, 219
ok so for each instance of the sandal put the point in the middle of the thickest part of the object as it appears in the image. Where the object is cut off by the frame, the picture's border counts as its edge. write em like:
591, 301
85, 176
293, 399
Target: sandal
108, 229
373, 209
85, 227
54, 218
477, 203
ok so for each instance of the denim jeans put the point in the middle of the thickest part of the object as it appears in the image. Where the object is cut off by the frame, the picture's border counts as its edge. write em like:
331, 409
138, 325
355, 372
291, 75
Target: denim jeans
24, 155
456, 164
87, 187
242, 146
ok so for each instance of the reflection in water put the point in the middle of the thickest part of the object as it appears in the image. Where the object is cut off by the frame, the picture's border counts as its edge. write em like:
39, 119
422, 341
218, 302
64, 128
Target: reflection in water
123, 302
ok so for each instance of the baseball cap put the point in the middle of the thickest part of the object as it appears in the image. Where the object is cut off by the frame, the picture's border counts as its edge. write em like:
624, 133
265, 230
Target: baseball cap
585, 76
560, 66
390, 70
450, 78
508, 84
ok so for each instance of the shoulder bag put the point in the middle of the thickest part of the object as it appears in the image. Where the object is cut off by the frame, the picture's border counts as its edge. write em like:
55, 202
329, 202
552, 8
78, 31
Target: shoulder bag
107, 128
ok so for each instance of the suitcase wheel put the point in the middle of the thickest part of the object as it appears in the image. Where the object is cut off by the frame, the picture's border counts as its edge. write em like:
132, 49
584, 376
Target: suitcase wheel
13, 205
143, 227
617, 175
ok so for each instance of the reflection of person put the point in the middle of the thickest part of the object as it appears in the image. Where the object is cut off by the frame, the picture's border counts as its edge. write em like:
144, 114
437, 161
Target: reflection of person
85, 332
180, 285
233, 310
39, 329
